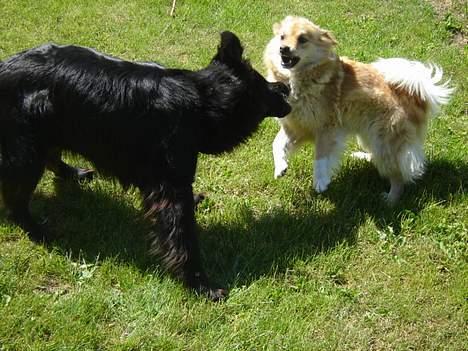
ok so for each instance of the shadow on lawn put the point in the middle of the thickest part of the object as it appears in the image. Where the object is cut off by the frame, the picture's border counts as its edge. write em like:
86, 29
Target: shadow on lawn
256, 245
91, 224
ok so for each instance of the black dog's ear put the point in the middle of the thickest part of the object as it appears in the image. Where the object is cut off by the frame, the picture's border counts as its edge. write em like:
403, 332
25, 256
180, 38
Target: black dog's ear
230, 49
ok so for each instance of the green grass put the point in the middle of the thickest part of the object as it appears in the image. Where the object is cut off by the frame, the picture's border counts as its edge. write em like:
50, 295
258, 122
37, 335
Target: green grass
337, 271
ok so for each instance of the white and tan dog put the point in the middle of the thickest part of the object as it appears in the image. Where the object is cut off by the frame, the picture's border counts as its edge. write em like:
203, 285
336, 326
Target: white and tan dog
386, 104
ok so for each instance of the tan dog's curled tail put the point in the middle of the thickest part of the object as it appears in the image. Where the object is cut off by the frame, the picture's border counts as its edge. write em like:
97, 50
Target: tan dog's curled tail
417, 79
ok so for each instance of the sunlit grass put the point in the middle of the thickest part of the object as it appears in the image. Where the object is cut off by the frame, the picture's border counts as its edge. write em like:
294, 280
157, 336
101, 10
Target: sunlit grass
337, 271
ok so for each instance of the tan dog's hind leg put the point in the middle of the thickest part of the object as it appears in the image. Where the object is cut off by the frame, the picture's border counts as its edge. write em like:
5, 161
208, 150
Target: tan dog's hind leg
396, 190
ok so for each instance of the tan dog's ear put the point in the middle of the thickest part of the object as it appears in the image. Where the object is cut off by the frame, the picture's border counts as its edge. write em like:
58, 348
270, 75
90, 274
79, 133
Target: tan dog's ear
328, 38
276, 28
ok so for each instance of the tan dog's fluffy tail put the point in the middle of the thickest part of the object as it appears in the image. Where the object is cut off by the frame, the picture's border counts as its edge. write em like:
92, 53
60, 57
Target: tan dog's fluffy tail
417, 79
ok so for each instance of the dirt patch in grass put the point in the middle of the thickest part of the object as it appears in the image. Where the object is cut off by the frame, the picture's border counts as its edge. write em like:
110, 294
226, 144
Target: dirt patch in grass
454, 15
53, 286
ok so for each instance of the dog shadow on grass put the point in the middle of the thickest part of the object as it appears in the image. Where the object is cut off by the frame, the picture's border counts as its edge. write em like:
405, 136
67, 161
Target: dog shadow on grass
265, 244
91, 224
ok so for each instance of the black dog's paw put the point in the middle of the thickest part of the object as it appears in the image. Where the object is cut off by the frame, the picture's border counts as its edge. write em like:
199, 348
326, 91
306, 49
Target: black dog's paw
39, 232
84, 174
214, 294
198, 198
199, 283
39, 235
75, 175
36, 231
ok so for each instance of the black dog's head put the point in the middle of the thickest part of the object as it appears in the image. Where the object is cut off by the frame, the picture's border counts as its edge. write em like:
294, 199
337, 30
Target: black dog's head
236, 98
266, 99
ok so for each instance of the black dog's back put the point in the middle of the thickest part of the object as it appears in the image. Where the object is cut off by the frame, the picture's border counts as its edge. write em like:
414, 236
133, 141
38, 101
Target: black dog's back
101, 107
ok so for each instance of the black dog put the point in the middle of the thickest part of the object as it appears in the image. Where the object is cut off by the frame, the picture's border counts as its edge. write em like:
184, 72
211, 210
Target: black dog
138, 122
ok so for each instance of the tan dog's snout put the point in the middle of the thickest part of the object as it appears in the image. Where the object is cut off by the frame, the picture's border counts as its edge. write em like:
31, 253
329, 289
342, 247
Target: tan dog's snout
285, 50
288, 59
288, 44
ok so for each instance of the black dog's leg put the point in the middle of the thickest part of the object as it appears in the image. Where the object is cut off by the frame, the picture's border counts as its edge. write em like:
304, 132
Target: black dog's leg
64, 171
17, 187
197, 198
175, 239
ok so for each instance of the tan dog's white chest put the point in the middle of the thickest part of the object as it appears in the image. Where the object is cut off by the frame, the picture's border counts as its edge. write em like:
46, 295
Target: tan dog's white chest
312, 108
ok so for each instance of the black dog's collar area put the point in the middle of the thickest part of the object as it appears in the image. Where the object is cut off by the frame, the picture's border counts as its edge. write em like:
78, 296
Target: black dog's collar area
289, 61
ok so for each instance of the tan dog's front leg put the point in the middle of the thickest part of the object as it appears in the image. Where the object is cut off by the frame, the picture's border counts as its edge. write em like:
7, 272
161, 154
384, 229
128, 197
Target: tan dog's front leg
283, 146
329, 146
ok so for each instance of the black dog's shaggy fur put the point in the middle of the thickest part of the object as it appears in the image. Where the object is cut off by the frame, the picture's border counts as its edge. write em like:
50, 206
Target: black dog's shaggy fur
138, 122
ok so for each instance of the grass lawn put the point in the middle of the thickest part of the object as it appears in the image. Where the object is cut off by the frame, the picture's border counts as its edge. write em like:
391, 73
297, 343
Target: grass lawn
336, 271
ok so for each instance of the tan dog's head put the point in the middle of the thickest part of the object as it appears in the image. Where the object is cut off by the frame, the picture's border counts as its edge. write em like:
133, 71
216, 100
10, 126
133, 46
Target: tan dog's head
303, 43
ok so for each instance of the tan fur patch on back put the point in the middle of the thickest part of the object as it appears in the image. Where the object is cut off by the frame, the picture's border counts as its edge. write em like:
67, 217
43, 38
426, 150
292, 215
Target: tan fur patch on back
414, 106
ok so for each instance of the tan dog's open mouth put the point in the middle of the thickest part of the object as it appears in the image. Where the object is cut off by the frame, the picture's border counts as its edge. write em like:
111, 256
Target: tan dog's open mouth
289, 61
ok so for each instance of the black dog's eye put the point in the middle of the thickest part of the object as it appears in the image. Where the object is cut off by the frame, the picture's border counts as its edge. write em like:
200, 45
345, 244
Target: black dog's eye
302, 39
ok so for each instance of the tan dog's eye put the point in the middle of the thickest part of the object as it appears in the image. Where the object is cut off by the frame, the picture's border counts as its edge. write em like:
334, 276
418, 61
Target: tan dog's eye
302, 39
282, 37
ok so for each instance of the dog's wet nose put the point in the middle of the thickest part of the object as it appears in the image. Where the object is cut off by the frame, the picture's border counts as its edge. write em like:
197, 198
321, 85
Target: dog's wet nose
285, 50
280, 88
284, 89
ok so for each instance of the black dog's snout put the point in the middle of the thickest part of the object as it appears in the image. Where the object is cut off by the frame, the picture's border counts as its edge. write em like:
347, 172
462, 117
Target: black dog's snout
284, 89
281, 88
285, 50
